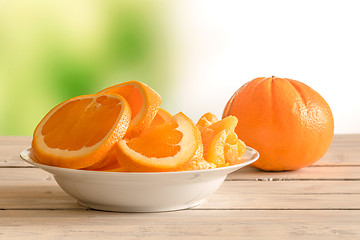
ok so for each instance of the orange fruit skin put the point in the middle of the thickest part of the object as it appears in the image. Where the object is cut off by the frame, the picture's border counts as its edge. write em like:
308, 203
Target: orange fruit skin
286, 121
54, 156
144, 103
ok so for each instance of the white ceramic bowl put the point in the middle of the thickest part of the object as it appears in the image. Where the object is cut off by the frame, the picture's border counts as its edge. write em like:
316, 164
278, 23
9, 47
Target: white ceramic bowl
141, 192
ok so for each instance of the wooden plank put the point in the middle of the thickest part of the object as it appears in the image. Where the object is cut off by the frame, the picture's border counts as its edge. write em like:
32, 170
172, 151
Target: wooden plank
15, 178
346, 138
21, 141
10, 148
285, 195
35, 189
231, 195
32, 188
14, 175
289, 188
344, 151
29, 195
310, 173
190, 224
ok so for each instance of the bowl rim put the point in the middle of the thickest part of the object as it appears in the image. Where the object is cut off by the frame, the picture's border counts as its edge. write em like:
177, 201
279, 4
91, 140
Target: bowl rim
25, 156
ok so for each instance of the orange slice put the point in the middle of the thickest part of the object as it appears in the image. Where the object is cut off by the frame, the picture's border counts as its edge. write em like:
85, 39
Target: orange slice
144, 103
221, 145
206, 120
110, 162
171, 146
81, 131
161, 117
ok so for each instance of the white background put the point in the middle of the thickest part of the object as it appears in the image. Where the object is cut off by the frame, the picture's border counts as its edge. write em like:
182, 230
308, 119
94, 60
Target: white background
223, 44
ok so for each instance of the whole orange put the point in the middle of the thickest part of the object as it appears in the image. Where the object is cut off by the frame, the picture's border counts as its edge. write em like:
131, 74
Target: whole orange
288, 122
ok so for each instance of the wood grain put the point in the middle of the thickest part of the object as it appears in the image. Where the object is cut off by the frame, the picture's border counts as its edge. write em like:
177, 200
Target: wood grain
38, 190
343, 151
324, 173
10, 148
191, 224
285, 195
317, 202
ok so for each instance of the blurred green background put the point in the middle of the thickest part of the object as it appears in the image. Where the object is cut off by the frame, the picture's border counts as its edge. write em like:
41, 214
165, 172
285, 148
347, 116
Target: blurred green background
54, 50
195, 54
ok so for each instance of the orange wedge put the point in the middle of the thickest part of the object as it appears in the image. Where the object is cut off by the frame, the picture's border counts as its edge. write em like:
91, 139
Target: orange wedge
214, 148
206, 120
208, 133
81, 131
221, 145
172, 146
233, 150
161, 117
144, 103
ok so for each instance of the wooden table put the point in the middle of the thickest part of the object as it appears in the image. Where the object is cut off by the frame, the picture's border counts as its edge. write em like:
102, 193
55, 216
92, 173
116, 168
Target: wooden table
318, 202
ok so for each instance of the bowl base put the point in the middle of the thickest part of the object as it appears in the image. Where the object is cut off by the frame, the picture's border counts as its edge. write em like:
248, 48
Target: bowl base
137, 209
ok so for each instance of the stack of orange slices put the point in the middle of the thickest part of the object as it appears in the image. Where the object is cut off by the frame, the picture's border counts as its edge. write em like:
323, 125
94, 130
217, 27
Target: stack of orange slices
123, 129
